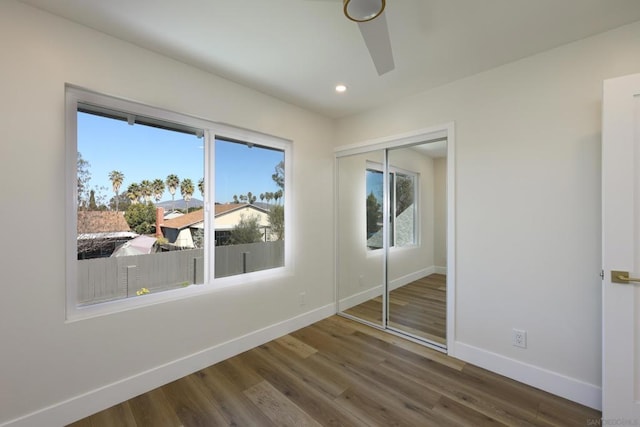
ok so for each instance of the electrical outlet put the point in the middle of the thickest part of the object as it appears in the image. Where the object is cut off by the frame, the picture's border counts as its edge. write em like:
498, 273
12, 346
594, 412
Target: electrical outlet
519, 338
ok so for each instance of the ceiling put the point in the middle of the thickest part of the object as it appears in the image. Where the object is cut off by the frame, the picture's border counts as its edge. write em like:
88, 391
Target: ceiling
298, 50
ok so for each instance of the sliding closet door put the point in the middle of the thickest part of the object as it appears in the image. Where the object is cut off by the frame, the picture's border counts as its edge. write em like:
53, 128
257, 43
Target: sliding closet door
416, 263
360, 232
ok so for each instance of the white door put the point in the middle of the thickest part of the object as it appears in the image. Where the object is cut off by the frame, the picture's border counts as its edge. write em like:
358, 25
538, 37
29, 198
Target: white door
621, 250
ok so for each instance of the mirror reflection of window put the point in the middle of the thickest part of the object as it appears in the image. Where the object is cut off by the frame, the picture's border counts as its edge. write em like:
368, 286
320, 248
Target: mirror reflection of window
374, 209
402, 197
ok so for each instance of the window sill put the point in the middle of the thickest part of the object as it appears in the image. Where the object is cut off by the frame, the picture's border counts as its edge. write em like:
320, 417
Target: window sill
75, 313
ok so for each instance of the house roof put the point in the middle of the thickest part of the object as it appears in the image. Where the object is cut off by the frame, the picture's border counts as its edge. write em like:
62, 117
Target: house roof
185, 220
195, 217
92, 222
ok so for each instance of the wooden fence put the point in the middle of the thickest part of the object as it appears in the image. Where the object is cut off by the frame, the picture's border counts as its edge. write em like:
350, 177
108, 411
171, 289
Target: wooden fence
107, 279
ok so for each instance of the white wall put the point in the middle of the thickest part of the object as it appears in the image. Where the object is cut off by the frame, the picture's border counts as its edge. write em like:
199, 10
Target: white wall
440, 213
527, 204
45, 361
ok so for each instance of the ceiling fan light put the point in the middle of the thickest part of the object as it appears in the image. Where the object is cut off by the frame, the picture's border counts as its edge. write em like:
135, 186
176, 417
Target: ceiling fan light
363, 10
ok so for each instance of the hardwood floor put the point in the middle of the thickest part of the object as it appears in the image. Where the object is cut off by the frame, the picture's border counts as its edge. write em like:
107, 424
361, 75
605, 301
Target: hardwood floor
419, 308
340, 372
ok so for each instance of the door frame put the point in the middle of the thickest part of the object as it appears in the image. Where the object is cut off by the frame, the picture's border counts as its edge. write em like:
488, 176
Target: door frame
443, 131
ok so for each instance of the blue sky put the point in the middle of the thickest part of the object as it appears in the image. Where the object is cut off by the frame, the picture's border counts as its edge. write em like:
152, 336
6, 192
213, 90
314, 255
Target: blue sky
143, 152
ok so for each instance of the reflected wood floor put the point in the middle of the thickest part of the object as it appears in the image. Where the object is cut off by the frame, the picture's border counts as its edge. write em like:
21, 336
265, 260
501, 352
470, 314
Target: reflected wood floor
419, 308
340, 372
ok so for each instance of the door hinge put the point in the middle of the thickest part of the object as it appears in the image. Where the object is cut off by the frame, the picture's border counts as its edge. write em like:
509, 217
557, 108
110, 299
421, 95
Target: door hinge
602, 274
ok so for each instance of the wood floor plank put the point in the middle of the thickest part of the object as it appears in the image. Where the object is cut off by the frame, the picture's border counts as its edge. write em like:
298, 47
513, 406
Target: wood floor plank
307, 393
337, 372
464, 392
190, 405
239, 373
301, 349
423, 351
418, 308
277, 407
555, 411
116, 416
451, 412
233, 404
153, 409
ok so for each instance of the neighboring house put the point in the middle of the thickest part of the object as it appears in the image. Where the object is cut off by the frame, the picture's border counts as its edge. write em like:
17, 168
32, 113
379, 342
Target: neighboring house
185, 230
100, 232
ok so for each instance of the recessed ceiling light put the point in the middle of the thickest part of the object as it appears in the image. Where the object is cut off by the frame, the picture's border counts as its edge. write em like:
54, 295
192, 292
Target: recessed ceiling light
341, 88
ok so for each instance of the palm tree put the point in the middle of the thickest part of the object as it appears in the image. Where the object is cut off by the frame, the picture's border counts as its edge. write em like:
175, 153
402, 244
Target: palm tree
133, 193
172, 182
235, 199
251, 198
116, 178
158, 189
147, 190
268, 195
262, 197
277, 195
186, 189
201, 186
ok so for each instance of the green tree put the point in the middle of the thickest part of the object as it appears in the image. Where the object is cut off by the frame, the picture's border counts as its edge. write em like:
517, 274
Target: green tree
92, 201
247, 230
146, 188
277, 195
235, 199
201, 187
251, 199
134, 193
116, 178
172, 182
262, 197
276, 221
186, 189
404, 193
278, 176
374, 214
157, 187
141, 217
83, 177
123, 202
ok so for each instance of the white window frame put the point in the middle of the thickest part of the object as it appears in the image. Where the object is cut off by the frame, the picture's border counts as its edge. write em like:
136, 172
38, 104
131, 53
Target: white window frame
378, 167
211, 130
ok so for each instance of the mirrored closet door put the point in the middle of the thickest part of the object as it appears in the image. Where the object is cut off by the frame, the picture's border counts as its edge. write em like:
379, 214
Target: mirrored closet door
360, 263
392, 239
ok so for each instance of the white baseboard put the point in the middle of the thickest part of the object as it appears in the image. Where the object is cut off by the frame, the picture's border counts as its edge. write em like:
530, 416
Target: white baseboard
570, 388
440, 270
359, 298
81, 406
411, 277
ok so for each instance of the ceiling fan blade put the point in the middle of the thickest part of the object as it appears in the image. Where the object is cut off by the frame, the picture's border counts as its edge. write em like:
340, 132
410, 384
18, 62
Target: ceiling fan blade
376, 37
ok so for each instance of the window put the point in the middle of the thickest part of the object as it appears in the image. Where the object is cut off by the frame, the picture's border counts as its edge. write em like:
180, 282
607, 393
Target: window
142, 220
403, 207
249, 208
